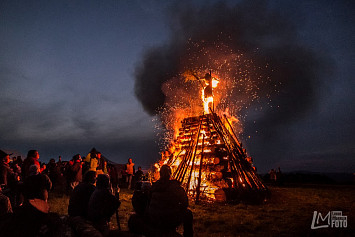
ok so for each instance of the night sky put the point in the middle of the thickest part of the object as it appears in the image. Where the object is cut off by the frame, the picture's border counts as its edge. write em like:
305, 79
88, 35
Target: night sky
71, 77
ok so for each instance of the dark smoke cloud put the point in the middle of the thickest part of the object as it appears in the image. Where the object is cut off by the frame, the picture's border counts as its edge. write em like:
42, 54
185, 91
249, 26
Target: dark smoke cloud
260, 33
249, 27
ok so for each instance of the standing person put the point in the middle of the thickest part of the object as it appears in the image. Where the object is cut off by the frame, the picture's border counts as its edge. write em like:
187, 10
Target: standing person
53, 172
60, 164
31, 159
6, 174
8, 179
94, 161
112, 171
273, 175
139, 174
16, 168
130, 172
100, 163
105, 168
75, 172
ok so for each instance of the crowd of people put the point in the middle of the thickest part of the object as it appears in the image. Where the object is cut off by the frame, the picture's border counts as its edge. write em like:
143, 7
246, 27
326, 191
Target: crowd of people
93, 186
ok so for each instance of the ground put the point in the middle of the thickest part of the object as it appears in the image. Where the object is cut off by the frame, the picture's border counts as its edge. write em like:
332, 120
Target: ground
288, 212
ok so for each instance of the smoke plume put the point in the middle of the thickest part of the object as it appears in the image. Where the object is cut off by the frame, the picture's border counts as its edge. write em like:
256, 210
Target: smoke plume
265, 48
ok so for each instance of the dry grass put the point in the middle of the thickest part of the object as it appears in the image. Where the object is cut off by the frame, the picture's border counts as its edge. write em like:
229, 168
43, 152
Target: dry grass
289, 212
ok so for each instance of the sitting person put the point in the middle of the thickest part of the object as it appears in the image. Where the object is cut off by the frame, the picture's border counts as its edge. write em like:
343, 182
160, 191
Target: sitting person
78, 207
140, 197
102, 204
33, 217
167, 209
79, 199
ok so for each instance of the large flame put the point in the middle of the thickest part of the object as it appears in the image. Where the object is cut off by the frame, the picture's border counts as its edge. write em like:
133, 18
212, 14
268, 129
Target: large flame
211, 179
210, 80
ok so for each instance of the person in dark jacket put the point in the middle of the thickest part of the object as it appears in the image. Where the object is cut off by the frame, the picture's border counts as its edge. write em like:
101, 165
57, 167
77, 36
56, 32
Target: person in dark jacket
5, 206
79, 199
8, 179
53, 172
168, 204
138, 176
75, 172
167, 209
102, 204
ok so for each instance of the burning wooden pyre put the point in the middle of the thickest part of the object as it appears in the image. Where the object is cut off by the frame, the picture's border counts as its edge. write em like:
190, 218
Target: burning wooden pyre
209, 161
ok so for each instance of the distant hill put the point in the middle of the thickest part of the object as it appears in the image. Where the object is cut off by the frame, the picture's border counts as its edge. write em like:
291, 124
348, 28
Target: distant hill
315, 177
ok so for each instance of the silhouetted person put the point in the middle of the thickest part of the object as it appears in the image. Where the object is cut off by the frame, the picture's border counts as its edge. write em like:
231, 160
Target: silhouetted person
273, 175
7, 176
167, 209
139, 174
102, 204
140, 198
5, 206
8, 179
113, 177
33, 217
168, 204
78, 207
79, 199
53, 172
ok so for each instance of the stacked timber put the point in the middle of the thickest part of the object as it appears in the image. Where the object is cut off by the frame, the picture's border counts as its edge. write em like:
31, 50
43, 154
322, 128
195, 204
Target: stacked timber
210, 162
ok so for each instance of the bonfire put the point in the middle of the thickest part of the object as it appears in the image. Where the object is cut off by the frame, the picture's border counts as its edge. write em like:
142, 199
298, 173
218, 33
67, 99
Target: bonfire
205, 153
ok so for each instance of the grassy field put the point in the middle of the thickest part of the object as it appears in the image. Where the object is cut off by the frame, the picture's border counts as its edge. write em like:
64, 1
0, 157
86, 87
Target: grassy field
289, 212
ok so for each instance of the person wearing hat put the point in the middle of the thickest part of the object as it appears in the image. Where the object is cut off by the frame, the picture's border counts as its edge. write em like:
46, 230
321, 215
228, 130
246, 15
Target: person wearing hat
8, 179
5, 171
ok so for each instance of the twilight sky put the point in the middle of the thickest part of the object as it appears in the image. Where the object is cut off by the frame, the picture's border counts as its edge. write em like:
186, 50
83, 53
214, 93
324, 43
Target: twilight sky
69, 73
